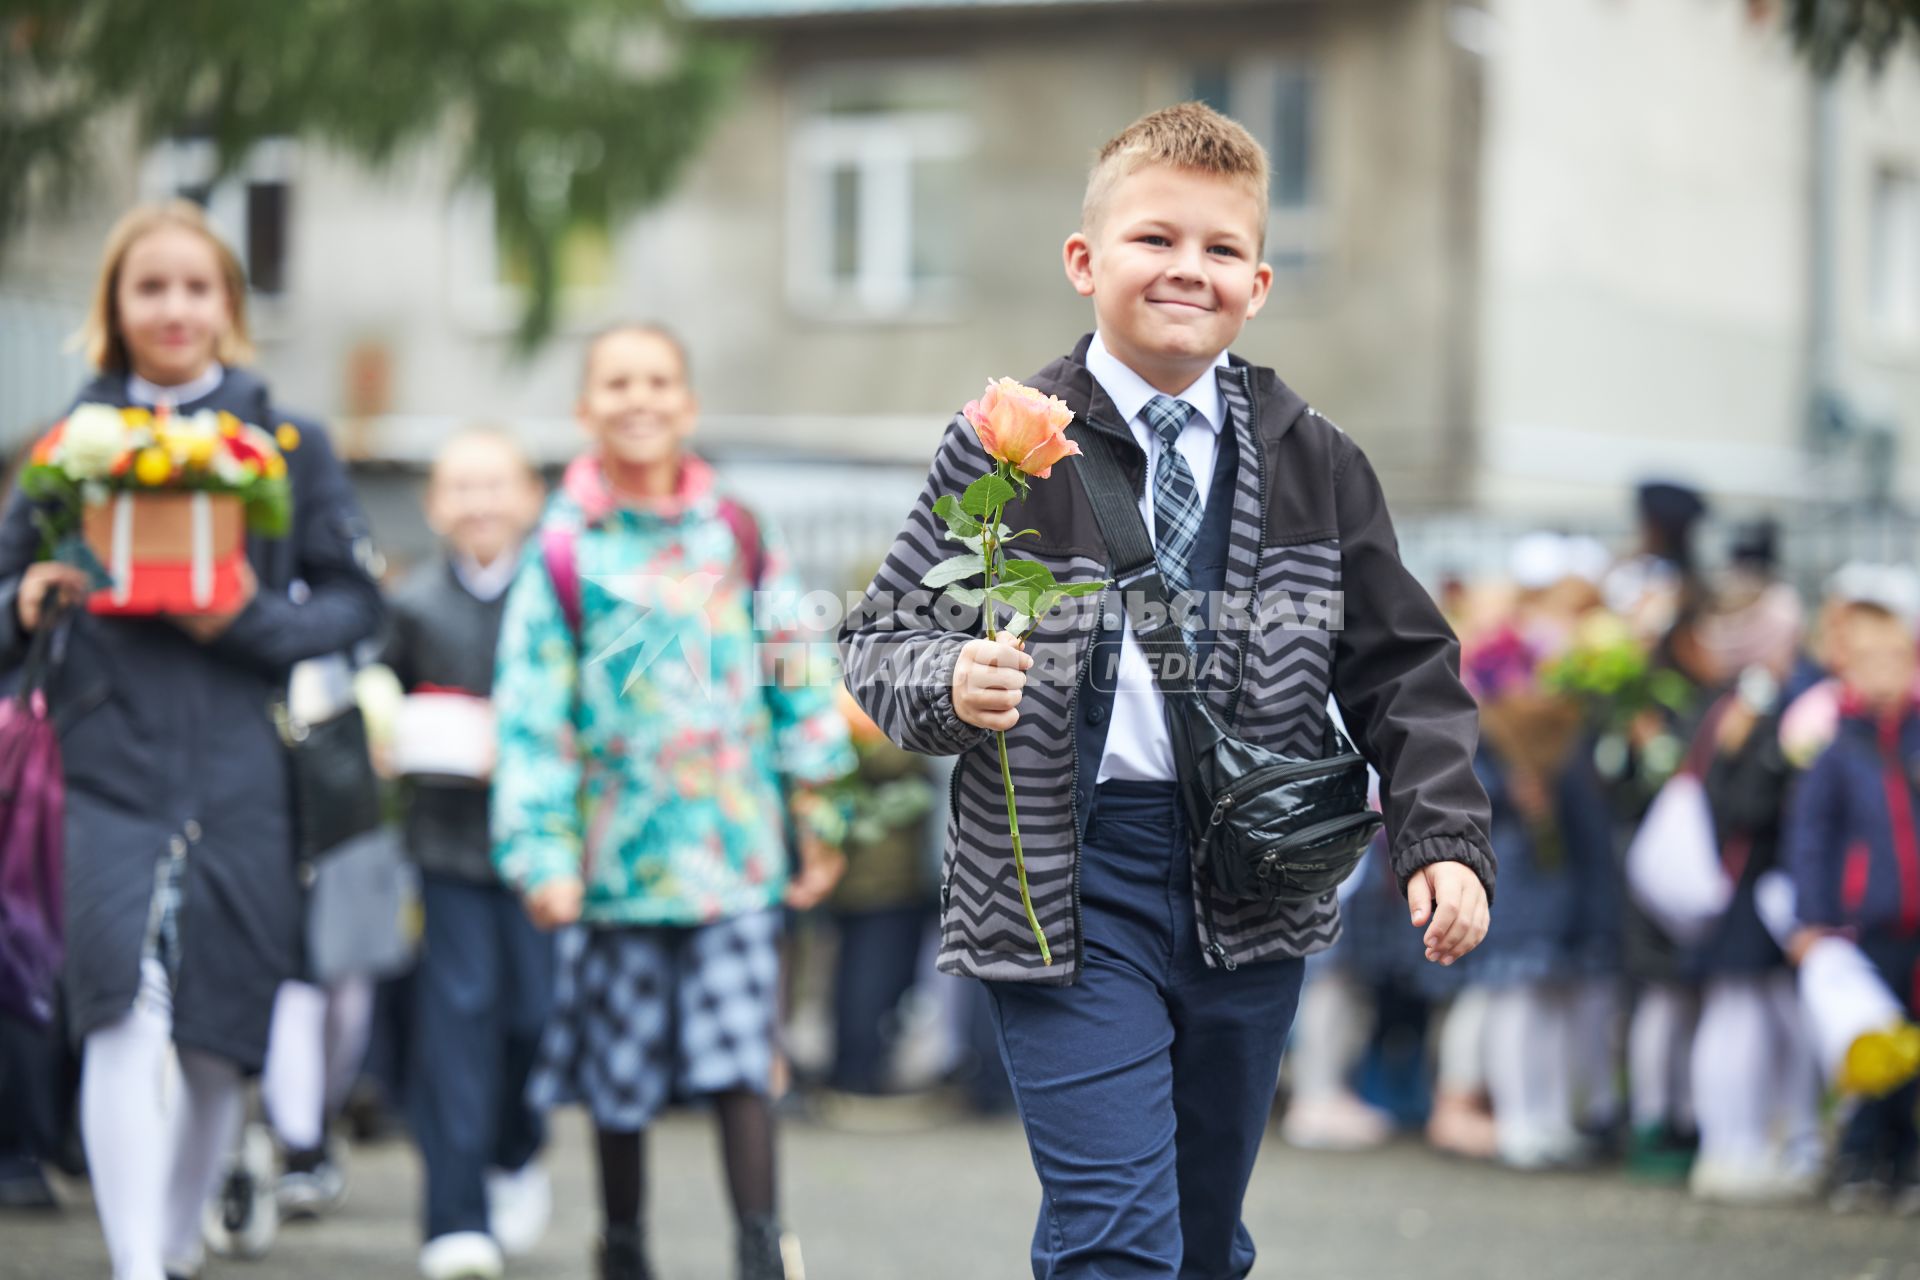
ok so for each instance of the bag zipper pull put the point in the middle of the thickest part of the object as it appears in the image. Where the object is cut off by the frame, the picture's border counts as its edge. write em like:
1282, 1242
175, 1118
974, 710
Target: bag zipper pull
1220, 954
1220, 810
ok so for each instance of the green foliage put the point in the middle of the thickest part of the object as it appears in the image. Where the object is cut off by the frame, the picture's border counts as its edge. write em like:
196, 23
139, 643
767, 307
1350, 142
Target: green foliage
569, 113
1829, 32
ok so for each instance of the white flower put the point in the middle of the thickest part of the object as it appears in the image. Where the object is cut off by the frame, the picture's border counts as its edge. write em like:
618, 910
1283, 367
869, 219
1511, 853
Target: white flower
94, 438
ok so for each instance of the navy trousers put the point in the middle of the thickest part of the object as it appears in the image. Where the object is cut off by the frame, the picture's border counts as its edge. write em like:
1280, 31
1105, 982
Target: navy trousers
482, 991
1145, 1087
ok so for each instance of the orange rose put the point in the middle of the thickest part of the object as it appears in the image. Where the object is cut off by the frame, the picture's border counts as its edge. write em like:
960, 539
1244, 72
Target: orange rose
1021, 426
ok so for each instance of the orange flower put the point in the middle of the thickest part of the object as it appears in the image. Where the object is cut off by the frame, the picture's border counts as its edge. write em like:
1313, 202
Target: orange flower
44, 447
1021, 426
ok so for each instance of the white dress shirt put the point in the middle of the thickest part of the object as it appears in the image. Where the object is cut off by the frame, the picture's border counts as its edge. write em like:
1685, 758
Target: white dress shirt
1138, 748
486, 581
153, 395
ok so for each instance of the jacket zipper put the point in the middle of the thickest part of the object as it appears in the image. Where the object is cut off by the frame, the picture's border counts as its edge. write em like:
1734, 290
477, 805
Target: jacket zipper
1073, 776
1214, 949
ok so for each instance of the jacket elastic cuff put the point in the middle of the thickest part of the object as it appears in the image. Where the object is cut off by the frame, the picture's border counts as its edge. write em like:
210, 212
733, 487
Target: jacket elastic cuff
1466, 850
948, 727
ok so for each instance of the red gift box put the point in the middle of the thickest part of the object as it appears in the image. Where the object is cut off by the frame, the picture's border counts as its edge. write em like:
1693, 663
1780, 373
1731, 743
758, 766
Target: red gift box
175, 552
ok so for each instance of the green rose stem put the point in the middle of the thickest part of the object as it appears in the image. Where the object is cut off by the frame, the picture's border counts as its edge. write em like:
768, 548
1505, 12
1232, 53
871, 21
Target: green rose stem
992, 548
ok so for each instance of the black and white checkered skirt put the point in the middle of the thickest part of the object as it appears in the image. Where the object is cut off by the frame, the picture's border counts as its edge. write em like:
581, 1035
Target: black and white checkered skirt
645, 1016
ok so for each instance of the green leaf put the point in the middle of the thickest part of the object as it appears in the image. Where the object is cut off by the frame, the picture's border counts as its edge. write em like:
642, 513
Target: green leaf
971, 597
1019, 624
1080, 588
952, 570
1029, 572
1016, 595
985, 494
959, 524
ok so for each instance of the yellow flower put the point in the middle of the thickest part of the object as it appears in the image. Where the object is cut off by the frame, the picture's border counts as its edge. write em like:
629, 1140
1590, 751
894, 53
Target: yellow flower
276, 467
153, 467
137, 416
200, 452
287, 437
229, 425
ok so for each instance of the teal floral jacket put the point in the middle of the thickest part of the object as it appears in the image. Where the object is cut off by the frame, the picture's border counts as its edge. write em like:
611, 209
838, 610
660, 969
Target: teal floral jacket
645, 754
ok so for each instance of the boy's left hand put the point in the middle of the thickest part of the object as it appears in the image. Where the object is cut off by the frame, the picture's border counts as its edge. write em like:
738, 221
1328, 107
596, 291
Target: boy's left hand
1448, 898
821, 866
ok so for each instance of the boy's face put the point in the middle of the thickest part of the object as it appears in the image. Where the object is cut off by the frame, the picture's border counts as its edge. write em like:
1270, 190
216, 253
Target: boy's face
1880, 660
635, 401
1172, 263
483, 499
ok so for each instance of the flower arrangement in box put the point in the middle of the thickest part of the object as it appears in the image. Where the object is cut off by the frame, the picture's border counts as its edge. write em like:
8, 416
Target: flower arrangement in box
157, 505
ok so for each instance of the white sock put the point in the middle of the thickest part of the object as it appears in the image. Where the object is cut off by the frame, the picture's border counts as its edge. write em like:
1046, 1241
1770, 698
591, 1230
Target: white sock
1461, 1055
206, 1126
1797, 1087
1659, 1044
124, 1088
1595, 1051
293, 1087
1329, 1033
1527, 1067
1733, 1069
349, 1029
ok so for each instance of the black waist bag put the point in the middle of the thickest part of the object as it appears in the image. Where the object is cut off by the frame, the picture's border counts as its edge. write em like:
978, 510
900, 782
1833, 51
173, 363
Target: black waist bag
1266, 826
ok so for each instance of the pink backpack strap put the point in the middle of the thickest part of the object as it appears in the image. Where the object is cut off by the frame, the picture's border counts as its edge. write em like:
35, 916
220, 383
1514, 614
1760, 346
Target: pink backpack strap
746, 533
560, 546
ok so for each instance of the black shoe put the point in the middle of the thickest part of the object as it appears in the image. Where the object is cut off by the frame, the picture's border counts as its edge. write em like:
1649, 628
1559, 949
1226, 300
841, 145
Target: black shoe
24, 1188
623, 1255
762, 1255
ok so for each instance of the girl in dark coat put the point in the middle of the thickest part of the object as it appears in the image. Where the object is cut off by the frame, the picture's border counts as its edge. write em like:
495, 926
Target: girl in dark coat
183, 903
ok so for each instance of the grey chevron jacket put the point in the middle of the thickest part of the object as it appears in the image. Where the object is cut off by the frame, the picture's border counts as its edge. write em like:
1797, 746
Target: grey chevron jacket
1317, 603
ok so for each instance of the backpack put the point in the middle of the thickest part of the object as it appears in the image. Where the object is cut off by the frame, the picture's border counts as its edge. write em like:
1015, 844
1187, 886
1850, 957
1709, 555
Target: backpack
560, 548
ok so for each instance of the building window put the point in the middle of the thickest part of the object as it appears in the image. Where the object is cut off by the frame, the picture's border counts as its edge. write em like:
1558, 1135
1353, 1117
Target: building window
1278, 102
876, 197
1894, 270
250, 208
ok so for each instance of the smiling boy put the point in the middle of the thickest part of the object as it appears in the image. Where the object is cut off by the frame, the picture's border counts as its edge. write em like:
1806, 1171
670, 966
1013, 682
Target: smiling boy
1144, 1055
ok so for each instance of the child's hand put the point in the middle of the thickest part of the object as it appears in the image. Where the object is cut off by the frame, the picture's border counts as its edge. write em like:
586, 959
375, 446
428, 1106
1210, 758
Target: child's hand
1802, 942
208, 627
987, 682
1451, 896
48, 579
821, 866
556, 904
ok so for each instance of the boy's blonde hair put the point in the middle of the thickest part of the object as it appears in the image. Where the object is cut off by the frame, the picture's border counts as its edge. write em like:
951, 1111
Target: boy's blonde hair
100, 337
1191, 136
646, 328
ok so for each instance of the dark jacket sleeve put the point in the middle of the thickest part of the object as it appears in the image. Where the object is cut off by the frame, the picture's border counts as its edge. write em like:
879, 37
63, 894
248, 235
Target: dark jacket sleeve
1396, 676
1816, 838
343, 605
19, 548
398, 641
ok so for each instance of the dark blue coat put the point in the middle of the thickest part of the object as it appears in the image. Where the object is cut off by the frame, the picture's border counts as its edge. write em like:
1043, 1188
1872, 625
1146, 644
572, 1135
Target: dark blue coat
1852, 844
170, 745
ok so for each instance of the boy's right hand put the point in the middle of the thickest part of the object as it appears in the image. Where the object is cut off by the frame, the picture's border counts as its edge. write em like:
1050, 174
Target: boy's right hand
987, 683
556, 904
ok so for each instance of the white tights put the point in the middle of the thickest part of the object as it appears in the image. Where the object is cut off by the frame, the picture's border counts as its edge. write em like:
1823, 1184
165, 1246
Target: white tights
1659, 1047
1529, 1032
158, 1124
1756, 1085
318, 1042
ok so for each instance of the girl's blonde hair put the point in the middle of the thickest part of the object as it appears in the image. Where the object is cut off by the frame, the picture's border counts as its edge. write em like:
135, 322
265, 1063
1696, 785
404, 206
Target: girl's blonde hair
100, 337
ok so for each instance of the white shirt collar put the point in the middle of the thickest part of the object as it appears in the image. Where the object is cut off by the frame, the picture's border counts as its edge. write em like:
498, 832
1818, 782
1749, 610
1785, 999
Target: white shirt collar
152, 394
486, 581
1130, 392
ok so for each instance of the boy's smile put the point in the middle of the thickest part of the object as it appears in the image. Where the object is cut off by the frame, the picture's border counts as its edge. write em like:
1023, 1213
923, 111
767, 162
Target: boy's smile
1172, 263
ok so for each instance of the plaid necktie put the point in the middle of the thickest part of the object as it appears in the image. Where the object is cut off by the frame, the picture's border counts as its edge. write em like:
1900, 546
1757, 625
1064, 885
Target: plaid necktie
1176, 500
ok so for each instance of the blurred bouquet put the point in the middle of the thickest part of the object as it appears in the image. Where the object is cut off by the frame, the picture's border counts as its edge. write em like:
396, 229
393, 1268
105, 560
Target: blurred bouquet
1529, 725
157, 506
1606, 670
